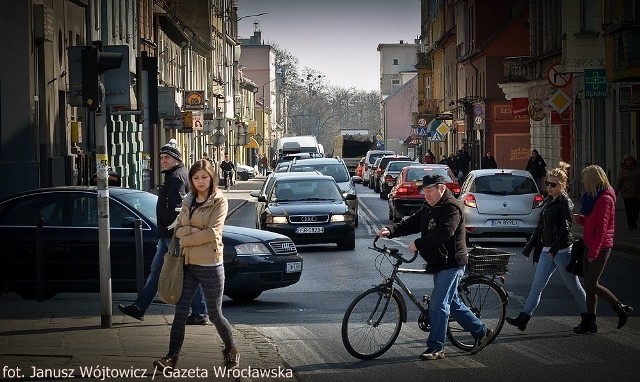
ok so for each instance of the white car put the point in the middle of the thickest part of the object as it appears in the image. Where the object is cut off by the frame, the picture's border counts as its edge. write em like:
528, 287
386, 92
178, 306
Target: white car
244, 172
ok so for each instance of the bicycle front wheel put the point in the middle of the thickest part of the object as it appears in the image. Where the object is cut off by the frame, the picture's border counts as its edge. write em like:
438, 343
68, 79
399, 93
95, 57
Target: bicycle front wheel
372, 323
487, 301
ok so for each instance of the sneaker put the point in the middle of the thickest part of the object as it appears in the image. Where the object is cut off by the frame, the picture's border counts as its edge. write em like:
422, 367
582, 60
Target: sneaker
166, 362
132, 311
231, 358
431, 354
196, 319
482, 341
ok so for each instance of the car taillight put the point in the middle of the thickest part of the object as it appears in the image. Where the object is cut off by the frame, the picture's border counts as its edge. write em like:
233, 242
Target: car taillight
455, 190
389, 178
402, 190
538, 200
470, 201
366, 167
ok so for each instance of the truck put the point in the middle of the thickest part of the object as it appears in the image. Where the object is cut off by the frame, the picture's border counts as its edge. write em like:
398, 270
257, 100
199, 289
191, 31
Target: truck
352, 146
298, 144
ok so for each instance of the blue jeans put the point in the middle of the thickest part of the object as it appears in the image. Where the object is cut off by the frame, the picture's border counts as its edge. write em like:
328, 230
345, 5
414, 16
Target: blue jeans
445, 301
150, 289
544, 270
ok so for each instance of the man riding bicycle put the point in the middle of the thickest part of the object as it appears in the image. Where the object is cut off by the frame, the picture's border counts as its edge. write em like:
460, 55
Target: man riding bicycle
442, 245
227, 168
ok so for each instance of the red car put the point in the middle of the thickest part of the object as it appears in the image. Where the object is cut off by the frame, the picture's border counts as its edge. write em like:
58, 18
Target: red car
405, 198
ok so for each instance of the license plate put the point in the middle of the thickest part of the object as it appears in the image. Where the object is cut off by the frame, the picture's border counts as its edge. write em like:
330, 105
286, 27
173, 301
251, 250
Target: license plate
294, 267
310, 230
505, 222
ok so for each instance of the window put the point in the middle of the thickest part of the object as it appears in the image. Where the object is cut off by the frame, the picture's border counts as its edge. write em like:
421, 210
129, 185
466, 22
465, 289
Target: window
395, 82
28, 210
587, 15
396, 61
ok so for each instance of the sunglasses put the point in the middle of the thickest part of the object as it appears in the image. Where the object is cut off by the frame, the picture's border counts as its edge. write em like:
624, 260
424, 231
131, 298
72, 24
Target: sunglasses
552, 184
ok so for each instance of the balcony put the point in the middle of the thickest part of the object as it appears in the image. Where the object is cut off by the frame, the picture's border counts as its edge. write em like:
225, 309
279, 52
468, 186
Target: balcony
623, 38
517, 69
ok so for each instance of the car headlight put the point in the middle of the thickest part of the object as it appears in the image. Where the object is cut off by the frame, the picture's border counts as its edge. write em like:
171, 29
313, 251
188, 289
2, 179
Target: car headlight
249, 249
341, 218
276, 219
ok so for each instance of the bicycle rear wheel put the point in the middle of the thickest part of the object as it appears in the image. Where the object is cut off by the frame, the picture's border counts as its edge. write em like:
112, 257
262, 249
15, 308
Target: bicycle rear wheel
372, 323
487, 301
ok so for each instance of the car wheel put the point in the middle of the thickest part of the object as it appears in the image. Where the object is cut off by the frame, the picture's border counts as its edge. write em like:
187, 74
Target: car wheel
245, 296
350, 243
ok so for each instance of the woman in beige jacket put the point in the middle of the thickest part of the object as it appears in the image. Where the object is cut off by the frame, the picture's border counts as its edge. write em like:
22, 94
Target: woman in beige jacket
199, 228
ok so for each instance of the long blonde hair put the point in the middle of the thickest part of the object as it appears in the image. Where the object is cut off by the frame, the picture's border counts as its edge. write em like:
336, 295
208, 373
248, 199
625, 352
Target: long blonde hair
594, 179
560, 172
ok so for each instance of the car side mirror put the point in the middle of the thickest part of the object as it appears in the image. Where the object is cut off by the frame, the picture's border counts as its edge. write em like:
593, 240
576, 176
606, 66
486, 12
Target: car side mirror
128, 222
255, 193
348, 196
356, 179
262, 198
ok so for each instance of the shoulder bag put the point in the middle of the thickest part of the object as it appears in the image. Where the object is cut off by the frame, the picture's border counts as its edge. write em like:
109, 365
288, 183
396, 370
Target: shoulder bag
577, 256
170, 281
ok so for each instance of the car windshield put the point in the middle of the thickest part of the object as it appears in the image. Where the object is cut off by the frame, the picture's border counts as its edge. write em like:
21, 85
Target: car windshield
415, 175
337, 171
143, 202
398, 165
504, 184
312, 189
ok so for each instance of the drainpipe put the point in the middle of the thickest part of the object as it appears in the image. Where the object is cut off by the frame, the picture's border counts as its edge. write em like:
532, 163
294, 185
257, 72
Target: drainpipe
475, 156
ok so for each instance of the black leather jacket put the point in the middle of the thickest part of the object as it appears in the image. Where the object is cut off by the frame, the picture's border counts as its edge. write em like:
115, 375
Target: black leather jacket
556, 223
170, 194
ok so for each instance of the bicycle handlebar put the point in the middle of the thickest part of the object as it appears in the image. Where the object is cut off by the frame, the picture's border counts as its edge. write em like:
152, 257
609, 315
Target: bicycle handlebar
393, 252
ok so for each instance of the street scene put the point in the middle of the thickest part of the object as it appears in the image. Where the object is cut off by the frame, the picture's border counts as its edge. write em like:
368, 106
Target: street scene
319, 191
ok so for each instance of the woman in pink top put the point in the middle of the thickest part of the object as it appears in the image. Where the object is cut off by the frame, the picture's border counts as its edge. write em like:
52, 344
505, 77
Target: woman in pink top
597, 216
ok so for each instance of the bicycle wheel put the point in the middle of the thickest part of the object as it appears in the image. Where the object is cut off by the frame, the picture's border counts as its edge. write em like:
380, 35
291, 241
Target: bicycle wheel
487, 301
372, 323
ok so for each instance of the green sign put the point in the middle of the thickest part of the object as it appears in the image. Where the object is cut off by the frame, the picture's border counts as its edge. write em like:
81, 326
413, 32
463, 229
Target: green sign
595, 83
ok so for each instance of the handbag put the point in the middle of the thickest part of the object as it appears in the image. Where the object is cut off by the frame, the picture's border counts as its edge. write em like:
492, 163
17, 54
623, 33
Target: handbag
170, 281
577, 256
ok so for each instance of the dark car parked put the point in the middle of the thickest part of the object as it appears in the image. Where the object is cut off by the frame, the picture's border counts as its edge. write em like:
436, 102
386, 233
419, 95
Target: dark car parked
389, 176
309, 208
255, 261
382, 166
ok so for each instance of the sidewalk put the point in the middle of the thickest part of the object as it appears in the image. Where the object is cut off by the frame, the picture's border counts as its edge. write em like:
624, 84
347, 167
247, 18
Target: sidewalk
62, 338
624, 240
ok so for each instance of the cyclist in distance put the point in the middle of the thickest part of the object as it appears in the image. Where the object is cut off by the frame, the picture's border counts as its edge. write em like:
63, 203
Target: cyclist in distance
227, 168
442, 245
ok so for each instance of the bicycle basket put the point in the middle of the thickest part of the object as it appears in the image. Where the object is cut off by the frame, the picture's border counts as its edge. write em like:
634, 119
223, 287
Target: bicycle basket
488, 261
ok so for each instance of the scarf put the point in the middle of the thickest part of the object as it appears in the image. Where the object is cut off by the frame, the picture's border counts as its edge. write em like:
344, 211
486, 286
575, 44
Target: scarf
587, 202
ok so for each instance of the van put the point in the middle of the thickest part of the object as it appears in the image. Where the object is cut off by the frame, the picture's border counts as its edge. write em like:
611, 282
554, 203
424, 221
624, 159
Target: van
369, 160
301, 144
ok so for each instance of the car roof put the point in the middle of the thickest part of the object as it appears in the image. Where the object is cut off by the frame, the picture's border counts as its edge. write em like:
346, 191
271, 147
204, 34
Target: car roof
116, 191
318, 160
303, 176
489, 171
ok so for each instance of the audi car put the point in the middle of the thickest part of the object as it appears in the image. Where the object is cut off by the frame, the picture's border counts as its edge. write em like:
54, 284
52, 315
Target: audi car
309, 208
55, 230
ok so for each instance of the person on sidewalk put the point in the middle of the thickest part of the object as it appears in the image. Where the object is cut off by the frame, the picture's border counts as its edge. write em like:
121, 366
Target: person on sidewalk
199, 228
597, 217
538, 169
556, 242
488, 161
170, 194
442, 244
628, 186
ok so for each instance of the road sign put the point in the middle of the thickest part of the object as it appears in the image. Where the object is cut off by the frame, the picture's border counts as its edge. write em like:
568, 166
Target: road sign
559, 101
443, 129
444, 116
436, 136
557, 77
422, 122
478, 120
422, 131
595, 83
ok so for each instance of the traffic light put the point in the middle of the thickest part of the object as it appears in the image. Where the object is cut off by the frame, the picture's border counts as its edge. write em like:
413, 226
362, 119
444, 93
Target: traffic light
93, 63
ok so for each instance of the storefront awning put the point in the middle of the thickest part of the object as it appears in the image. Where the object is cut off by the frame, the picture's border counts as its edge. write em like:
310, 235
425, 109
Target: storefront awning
253, 144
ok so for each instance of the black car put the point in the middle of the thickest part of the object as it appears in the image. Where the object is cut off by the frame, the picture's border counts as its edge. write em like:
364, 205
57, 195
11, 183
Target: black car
309, 208
255, 261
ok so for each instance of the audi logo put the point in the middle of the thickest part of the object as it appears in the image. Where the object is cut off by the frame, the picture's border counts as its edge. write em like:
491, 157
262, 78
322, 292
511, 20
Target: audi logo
309, 219
288, 246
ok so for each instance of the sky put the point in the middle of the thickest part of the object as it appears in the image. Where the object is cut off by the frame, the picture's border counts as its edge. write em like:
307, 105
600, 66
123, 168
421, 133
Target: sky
338, 38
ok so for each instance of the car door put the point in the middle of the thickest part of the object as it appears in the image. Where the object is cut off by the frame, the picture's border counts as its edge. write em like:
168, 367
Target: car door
21, 238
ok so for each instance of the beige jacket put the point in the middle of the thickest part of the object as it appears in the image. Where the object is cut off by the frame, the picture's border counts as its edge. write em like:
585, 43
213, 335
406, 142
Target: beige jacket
203, 247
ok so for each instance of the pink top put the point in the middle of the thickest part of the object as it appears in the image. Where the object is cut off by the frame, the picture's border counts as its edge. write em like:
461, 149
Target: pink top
599, 226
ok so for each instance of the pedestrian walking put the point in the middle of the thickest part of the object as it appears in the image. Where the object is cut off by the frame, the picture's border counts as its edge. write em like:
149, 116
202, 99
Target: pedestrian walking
199, 228
597, 216
555, 241
463, 162
442, 244
538, 168
628, 186
429, 157
488, 161
170, 194
264, 164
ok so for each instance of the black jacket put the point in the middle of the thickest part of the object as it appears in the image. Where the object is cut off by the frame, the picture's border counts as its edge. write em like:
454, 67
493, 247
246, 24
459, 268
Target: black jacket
537, 167
556, 223
442, 234
170, 194
488, 162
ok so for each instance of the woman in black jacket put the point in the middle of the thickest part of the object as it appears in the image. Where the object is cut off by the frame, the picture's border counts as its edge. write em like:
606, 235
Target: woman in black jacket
556, 241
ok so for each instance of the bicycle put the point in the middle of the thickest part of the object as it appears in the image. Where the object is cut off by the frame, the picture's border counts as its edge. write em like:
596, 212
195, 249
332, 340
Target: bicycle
373, 320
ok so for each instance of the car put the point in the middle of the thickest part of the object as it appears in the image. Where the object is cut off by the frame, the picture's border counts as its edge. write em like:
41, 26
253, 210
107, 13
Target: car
360, 169
371, 172
309, 208
500, 203
264, 191
335, 168
369, 160
254, 260
244, 172
405, 198
388, 178
382, 165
